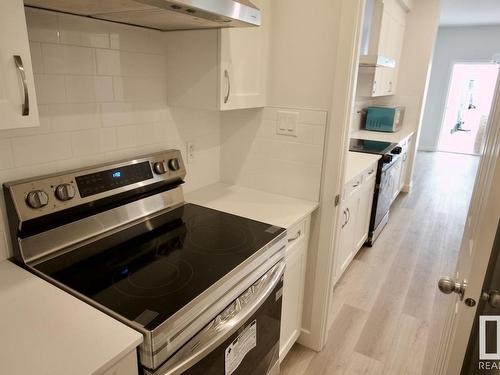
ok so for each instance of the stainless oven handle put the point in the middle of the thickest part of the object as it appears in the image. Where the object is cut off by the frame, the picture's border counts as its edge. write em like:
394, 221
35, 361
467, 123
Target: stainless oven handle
224, 325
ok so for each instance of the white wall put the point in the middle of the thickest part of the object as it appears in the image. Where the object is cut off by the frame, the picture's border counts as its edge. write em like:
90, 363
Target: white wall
454, 44
302, 53
253, 155
101, 90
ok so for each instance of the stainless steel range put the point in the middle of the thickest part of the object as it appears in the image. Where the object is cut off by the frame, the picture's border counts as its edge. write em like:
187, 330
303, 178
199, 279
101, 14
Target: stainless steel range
203, 286
385, 182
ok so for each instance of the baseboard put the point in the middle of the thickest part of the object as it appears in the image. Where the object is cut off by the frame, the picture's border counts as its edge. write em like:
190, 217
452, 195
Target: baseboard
406, 188
306, 339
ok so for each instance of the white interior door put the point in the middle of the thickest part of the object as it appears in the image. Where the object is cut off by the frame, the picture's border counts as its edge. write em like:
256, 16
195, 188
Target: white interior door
477, 242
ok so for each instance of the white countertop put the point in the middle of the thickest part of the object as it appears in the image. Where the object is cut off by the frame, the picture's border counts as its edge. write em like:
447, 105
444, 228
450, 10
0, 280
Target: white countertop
253, 204
357, 162
46, 331
396, 137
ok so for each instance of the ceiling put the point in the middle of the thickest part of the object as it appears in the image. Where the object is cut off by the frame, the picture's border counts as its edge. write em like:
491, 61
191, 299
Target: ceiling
470, 12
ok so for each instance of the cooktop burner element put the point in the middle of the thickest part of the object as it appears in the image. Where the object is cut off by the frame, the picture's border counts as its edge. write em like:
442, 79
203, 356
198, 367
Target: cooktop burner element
157, 279
370, 147
165, 268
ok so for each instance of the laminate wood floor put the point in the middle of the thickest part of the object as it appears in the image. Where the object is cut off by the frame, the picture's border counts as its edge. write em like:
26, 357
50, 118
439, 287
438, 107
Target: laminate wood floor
388, 313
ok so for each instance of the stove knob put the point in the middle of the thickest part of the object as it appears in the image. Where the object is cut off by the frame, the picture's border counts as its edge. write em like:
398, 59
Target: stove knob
37, 199
159, 167
396, 150
65, 192
387, 158
174, 164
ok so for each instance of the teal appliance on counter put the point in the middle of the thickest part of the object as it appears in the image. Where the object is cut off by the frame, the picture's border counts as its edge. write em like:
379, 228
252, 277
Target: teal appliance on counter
384, 119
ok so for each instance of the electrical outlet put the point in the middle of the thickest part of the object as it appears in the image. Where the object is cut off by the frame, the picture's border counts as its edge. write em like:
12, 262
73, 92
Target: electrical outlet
190, 151
286, 123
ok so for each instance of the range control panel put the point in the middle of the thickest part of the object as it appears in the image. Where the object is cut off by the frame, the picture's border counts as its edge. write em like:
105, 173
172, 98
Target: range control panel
43, 195
98, 182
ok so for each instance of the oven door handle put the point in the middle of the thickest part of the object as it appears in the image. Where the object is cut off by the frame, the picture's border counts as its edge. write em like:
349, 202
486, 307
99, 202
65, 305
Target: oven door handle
225, 324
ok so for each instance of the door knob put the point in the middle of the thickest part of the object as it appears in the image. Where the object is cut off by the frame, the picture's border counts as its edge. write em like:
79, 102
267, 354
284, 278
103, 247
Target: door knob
493, 298
447, 285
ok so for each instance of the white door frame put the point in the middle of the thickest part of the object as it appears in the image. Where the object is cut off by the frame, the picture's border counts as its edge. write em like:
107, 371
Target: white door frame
341, 111
479, 236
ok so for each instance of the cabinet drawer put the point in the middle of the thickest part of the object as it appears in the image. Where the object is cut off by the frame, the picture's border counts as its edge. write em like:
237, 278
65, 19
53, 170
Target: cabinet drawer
297, 234
370, 173
353, 186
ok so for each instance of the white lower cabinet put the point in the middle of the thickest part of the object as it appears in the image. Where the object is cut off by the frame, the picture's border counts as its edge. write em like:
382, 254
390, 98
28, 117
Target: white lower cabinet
293, 286
126, 366
355, 219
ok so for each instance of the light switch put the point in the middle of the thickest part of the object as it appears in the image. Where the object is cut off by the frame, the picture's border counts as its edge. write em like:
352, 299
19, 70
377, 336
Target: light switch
287, 123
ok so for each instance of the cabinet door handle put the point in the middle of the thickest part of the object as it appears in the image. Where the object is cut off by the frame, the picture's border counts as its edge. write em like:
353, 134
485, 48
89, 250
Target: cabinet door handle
371, 172
348, 216
26, 102
297, 236
226, 75
356, 184
345, 219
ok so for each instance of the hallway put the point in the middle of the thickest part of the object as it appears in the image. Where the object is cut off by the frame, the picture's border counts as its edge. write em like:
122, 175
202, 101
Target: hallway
388, 312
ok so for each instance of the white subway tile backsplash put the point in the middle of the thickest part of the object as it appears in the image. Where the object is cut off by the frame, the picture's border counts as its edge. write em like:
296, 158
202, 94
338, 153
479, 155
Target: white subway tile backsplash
253, 155
6, 159
80, 89
86, 142
145, 134
107, 139
41, 149
43, 25
65, 59
117, 114
135, 39
50, 89
71, 117
83, 31
108, 62
139, 89
36, 57
103, 89
126, 136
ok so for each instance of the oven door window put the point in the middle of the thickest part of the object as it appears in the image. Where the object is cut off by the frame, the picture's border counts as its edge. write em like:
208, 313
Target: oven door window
251, 347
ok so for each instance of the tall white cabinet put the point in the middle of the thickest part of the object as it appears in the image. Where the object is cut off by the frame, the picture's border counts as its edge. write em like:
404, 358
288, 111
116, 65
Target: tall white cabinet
18, 104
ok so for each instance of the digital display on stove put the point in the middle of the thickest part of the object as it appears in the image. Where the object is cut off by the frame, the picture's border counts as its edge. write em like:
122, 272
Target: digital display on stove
99, 182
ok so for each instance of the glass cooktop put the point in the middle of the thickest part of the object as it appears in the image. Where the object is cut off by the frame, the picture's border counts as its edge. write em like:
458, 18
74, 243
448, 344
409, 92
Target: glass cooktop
370, 147
150, 277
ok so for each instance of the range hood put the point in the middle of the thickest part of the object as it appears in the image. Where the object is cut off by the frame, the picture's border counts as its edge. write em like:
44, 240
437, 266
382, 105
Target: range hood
161, 15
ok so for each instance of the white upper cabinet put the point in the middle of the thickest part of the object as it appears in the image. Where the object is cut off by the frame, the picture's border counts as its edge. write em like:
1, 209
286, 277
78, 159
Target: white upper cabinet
219, 69
243, 64
18, 104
